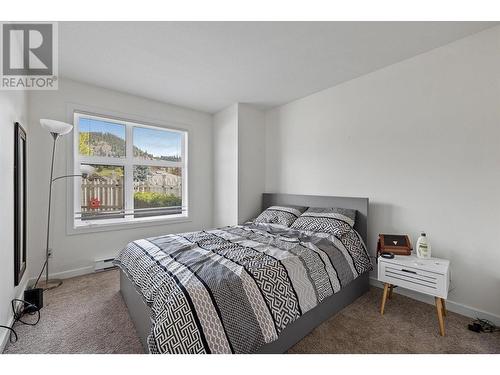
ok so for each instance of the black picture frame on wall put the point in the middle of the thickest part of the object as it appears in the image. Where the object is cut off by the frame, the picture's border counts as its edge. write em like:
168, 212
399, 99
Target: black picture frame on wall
19, 203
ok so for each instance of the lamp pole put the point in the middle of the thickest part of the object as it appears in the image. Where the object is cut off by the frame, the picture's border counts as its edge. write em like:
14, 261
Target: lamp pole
49, 284
55, 136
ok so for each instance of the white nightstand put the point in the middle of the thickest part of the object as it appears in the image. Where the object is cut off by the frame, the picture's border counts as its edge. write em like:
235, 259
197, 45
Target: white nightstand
429, 276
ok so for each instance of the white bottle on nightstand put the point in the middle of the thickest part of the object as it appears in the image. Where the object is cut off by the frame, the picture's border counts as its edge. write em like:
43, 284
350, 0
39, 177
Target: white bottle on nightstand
423, 247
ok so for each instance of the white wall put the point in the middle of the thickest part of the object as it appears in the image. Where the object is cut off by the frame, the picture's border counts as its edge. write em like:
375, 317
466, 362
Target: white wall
251, 161
225, 145
75, 254
13, 107
239, 149
421, 139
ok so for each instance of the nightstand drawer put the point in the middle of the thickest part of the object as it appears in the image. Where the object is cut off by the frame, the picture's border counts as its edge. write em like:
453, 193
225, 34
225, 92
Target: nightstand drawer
413, 278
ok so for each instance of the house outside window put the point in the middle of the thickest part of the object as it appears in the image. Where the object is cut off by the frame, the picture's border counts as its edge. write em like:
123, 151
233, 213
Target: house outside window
133, 172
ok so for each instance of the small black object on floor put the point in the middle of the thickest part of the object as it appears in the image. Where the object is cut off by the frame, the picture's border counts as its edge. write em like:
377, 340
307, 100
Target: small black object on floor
33, 297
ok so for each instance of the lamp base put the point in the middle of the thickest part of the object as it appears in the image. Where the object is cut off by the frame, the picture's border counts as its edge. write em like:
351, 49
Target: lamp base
49, 284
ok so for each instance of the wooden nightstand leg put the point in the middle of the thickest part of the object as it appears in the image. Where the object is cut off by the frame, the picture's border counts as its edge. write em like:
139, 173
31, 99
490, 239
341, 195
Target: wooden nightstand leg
391, 288
439, 308
384, 297
444, 306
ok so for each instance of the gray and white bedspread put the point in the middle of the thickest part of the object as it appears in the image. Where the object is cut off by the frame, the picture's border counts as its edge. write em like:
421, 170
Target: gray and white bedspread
232, 290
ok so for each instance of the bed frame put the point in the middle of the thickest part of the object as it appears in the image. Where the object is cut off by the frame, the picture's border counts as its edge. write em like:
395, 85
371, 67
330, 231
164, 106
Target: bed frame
141, 313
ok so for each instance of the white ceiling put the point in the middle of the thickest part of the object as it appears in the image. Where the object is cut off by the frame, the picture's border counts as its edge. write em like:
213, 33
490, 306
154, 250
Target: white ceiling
210, 65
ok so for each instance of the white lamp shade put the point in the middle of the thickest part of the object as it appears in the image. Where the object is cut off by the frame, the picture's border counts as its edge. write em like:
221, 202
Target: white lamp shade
57, 127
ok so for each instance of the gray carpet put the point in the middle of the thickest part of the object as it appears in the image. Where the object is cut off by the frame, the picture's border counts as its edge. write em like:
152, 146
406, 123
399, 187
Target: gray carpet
87, 315
84, 315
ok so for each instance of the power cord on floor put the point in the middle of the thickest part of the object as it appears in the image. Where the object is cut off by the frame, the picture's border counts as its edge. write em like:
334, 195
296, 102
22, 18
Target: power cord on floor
28, 308
18, 312
483, 325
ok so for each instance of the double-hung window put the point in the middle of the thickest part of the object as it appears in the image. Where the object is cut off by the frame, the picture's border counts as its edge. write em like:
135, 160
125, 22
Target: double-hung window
131, 171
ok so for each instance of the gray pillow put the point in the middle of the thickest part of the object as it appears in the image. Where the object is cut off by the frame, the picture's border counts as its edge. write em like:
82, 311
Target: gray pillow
283, 215
336, 221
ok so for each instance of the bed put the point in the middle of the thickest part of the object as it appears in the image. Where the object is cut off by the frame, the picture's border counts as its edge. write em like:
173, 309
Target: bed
166, 271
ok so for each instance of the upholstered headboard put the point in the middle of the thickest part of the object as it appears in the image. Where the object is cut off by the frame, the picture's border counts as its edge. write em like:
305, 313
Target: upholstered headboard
358, 204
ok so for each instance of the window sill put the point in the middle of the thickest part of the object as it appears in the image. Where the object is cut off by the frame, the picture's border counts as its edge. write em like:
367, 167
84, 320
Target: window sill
80, 227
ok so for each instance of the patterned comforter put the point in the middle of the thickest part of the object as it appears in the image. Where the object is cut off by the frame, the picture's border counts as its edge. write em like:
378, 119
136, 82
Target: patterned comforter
234, 289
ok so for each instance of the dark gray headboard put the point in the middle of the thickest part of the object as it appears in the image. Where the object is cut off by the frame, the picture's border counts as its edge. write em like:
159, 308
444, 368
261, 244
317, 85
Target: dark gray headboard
359, 204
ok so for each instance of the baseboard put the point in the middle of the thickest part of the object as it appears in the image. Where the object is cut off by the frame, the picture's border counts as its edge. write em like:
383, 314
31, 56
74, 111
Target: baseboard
5, 333
455, 307
73, 273
69, 273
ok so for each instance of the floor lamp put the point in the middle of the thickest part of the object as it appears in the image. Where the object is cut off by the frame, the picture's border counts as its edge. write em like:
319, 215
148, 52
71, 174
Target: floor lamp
56, 129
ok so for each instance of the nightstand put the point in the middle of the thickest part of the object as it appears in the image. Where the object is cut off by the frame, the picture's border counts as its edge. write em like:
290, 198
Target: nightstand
428, 276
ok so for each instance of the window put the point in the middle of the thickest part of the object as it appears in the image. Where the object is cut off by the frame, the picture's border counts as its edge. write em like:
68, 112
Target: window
131, 172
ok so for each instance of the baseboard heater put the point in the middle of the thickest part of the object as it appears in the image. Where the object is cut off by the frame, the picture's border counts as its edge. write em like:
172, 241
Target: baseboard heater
104, 264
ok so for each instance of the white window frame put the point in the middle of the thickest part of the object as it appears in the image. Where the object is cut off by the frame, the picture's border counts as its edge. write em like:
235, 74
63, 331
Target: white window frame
128, 163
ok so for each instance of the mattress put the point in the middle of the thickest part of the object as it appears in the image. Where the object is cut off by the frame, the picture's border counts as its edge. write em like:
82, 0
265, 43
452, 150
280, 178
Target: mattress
236, 289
